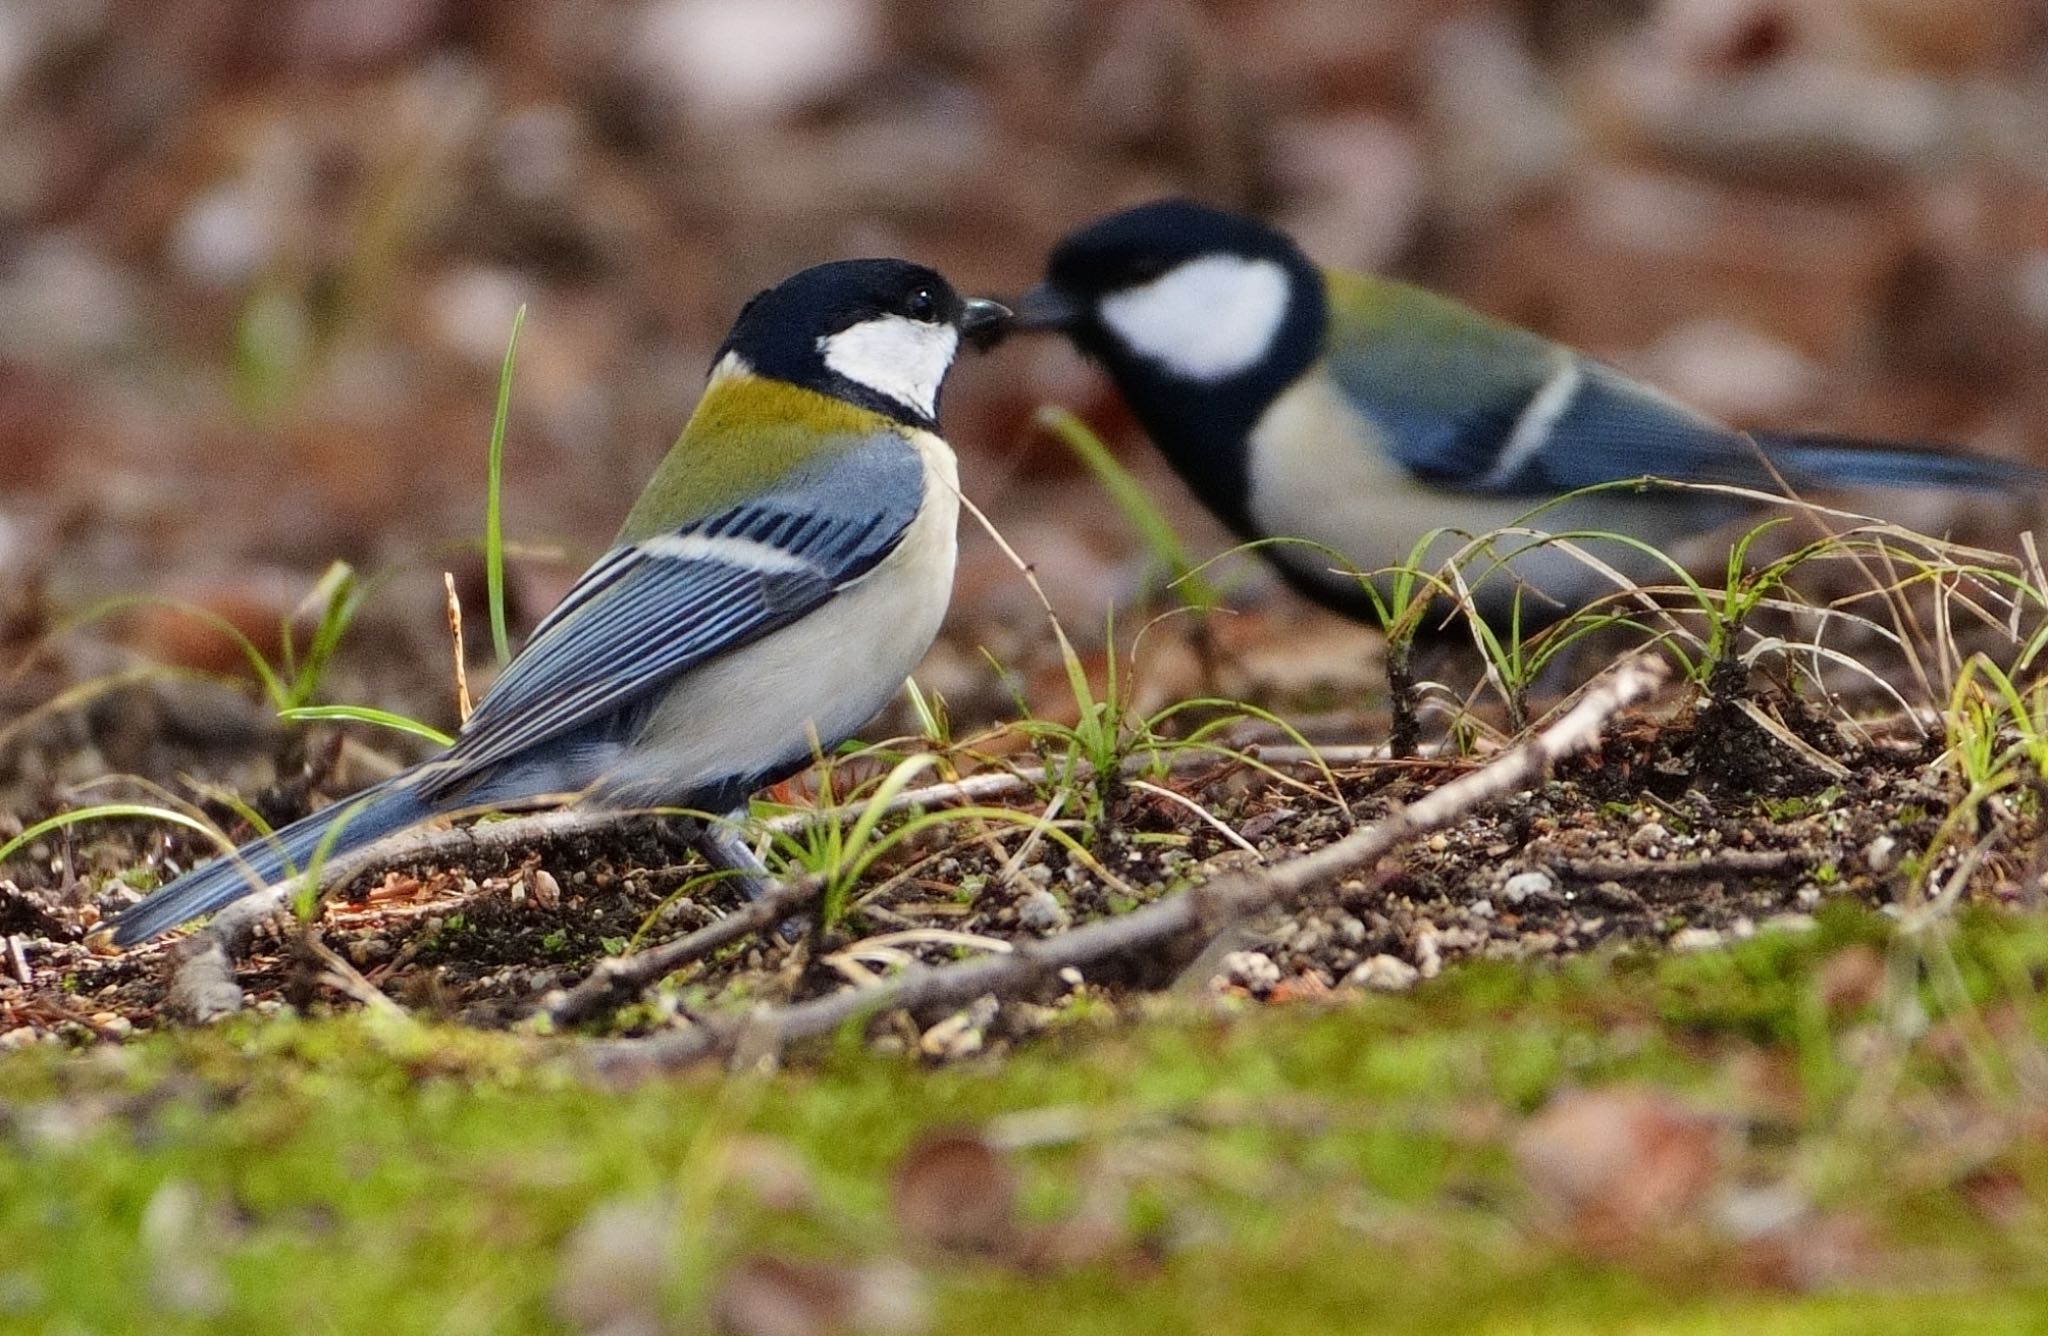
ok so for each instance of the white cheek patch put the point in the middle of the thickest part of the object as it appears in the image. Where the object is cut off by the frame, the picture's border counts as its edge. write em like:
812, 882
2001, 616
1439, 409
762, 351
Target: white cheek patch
1205, 320
895, 356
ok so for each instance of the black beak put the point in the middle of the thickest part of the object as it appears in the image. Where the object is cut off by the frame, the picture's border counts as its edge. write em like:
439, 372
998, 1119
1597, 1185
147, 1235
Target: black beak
983, 322
1046, 307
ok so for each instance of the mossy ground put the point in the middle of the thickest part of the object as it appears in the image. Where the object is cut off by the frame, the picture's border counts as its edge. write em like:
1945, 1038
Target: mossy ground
1843, 1111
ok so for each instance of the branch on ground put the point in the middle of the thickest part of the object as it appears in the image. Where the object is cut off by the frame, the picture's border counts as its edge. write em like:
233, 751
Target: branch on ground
1199, 913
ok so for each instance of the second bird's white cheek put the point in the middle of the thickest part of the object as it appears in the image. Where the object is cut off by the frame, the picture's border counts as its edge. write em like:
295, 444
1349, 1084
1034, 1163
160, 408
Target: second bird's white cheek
893, 355
1206, 320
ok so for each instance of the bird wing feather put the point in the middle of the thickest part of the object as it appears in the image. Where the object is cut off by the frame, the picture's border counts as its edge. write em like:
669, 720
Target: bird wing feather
652, 610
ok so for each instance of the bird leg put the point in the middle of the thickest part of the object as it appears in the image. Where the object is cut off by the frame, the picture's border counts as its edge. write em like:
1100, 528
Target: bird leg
1405, 730
720, 843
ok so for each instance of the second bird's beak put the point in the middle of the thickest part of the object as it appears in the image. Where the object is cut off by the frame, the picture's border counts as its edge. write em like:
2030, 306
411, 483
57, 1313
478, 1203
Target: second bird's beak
1046, 307
983, 322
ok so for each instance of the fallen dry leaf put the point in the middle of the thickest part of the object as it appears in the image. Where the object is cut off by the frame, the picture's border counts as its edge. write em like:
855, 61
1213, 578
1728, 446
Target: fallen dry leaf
615, 1266
1615, 1164
954, 1192
782, 1296
1852, 980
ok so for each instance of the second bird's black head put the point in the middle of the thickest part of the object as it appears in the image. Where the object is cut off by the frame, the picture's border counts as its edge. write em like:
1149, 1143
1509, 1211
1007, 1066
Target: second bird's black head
1202, 318
878, 333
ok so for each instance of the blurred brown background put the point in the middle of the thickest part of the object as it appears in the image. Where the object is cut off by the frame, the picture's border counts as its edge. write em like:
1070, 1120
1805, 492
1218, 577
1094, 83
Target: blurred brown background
259, 258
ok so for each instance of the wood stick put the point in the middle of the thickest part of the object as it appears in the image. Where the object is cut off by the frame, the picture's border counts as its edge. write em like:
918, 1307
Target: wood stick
1201, 911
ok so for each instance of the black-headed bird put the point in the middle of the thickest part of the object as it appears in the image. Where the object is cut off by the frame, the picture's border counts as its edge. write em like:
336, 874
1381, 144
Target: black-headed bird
784, 570
1361, 415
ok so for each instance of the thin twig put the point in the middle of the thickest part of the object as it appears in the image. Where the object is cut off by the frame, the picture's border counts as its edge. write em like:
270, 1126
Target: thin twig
17, 961
1200, 912
1718, 863
346, 978
1215, 822
455, 636
617, 980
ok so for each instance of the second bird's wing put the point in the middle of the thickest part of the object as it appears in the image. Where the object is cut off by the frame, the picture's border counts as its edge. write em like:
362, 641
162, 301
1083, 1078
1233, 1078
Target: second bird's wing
1466, 403
651, 610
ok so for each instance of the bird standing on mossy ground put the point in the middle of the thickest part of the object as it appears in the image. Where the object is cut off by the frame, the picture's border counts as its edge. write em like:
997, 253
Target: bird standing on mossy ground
1361, 414
786, 567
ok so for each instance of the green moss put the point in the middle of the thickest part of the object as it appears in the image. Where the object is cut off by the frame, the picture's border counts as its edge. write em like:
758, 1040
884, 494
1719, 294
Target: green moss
1285, 1170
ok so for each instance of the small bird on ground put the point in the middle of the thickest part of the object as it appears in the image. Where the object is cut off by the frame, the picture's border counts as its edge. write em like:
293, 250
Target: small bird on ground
1360, 414
784, 570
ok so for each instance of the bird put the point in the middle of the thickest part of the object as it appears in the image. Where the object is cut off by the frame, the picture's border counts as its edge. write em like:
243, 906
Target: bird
785, 569
1365, 416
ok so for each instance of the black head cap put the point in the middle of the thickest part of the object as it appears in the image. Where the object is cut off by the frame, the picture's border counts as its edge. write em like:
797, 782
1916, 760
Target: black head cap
788, 333
1131, 248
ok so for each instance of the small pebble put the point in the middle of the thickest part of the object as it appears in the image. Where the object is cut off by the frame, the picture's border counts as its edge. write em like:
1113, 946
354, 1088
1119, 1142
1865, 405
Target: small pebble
1385, 974
1351, 930
547, 892
1790, 922
1251, 970
1527, 886
1040, 911
1428, 959
1881, 854
1482, 908
1649, 839
1695, 939
1309, 938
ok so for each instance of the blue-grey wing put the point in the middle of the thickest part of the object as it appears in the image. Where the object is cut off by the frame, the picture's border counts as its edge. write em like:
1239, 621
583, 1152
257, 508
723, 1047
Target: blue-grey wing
650, 611
1471, 418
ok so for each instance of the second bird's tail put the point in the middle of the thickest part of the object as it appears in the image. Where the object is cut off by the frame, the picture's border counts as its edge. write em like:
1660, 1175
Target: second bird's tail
368, 816
1838, 461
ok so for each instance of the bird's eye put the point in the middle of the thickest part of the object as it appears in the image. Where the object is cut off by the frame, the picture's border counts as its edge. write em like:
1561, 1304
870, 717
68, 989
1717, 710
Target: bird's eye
922, 305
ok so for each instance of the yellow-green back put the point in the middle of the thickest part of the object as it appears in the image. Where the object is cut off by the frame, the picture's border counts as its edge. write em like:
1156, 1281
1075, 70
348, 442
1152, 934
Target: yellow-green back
747, 432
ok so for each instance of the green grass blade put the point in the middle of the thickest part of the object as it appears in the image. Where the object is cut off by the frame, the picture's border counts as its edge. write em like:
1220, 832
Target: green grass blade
1136, 503
494, 514
105, 811
364, 714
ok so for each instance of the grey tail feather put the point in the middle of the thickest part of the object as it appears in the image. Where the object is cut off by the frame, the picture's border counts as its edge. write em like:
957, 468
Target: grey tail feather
269, 859
1840, 461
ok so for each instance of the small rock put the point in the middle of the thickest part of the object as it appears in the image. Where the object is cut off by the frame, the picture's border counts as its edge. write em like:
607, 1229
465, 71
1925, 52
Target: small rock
1696, 939
1252, 971
1527, 886
1881, 855
615, 1266
547, 892
1350, 930
1428, 958
1310, 938
1790, 922
961, 1034
1613, 895
1040, 911
1482, 908
1384, 974
1649, 839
